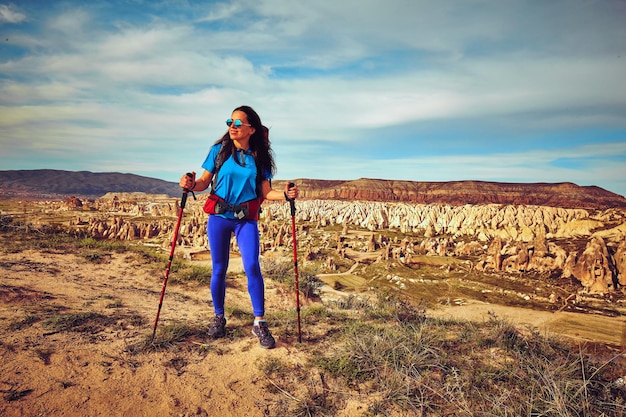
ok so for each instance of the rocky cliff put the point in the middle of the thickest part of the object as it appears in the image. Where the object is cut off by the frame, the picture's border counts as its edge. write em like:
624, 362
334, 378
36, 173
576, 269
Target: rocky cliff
566, 195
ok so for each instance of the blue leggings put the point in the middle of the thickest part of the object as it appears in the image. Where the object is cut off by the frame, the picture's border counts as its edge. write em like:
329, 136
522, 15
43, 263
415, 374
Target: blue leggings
246, 232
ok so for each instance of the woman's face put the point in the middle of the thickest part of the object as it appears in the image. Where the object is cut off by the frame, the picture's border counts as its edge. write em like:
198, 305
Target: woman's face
243, 132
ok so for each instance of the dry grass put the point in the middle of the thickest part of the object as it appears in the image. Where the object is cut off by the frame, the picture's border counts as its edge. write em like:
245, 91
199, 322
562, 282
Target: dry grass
422, 366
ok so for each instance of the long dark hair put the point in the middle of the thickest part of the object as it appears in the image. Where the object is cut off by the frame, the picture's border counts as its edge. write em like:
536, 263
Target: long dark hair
259, 145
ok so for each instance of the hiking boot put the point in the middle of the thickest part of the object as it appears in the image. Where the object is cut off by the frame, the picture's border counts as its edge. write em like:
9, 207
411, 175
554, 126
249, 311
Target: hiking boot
265, 336
218, 327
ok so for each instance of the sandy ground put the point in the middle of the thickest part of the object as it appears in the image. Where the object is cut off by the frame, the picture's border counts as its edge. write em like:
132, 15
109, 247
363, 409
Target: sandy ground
95, 370
93, 373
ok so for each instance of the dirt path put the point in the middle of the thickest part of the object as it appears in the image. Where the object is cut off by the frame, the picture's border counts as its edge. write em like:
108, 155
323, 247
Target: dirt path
589, 327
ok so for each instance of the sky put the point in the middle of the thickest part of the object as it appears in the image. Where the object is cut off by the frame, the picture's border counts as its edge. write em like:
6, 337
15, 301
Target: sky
490, 90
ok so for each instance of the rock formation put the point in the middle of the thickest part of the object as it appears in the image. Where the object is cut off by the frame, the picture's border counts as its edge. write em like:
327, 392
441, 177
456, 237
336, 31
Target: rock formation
594, 268
587, 245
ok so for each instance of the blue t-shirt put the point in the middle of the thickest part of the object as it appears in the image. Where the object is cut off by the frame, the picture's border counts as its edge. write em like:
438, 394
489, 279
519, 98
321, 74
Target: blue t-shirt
235, 183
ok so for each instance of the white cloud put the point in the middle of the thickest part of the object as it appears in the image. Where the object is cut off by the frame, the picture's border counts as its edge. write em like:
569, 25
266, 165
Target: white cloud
71, 24
10, 14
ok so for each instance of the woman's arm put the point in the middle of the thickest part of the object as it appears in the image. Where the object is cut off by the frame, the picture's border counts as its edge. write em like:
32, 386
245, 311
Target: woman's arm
199, 184
270, 194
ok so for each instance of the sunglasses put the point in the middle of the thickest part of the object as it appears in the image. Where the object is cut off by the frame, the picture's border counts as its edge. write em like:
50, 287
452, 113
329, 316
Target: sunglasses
237, 123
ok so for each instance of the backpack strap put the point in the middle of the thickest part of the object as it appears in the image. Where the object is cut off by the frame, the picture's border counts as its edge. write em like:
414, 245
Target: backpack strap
218, 164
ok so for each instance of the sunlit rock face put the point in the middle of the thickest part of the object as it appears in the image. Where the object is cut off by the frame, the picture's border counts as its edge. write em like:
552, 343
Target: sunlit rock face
594, 268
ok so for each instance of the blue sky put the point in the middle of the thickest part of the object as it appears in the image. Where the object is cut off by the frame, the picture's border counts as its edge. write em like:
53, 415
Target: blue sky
500, 90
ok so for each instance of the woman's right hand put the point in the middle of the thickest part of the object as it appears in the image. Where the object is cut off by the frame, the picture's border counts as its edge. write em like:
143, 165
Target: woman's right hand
188, 181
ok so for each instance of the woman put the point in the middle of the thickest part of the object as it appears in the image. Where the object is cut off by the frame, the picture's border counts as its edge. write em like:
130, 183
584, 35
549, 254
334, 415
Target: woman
240, 165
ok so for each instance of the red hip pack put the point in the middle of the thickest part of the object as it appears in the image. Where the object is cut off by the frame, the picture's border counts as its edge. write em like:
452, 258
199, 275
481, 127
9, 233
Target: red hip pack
248, 210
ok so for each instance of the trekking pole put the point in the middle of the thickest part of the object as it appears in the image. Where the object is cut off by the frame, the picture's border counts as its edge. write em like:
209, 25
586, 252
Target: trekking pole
183, 201
292, 203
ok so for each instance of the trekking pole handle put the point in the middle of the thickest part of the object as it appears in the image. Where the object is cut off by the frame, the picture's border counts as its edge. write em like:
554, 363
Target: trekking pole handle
292, 201
183, 200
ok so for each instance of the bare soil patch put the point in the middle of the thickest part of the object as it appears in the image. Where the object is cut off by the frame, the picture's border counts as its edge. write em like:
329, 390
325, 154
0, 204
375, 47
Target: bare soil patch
68, 330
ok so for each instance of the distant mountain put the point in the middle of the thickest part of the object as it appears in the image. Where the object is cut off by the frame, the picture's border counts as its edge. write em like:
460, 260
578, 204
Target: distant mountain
47, 183
51, 183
